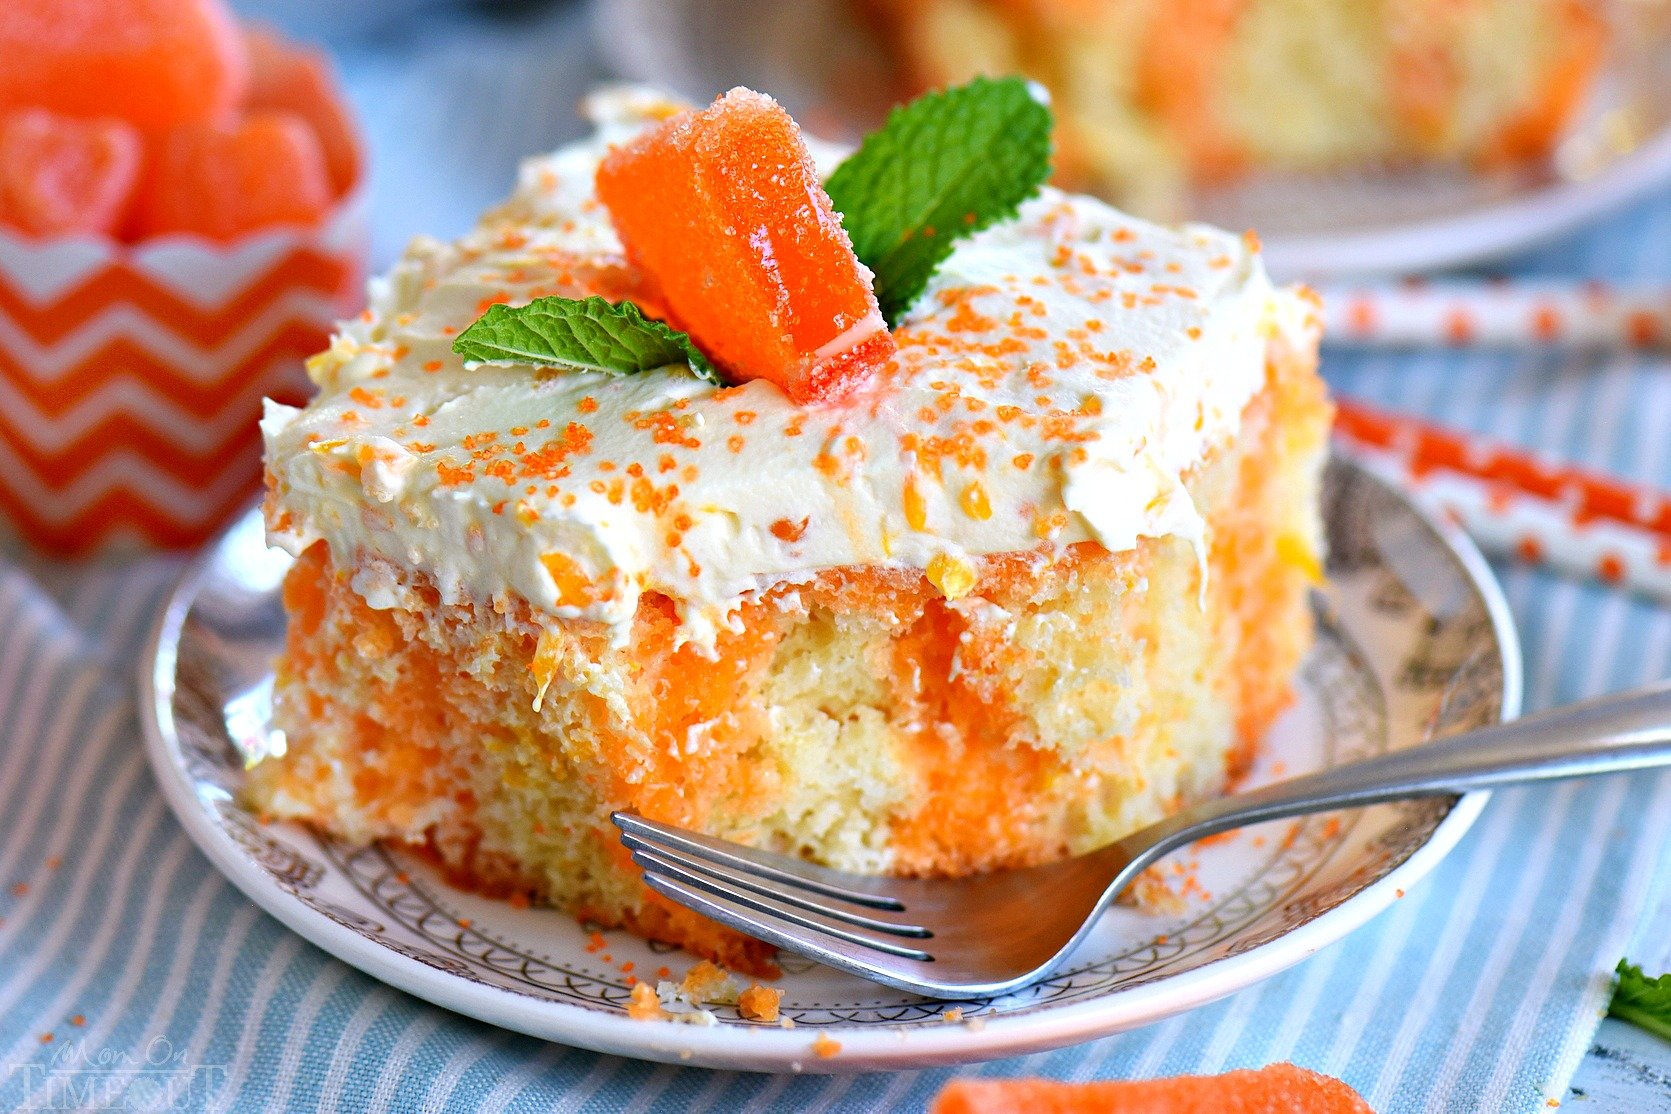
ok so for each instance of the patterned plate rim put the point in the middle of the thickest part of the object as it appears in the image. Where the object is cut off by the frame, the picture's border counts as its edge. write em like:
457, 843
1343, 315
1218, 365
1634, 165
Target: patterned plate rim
863, 1048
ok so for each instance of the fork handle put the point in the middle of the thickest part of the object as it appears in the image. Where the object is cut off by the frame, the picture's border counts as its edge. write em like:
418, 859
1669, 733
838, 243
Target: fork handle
1610, 734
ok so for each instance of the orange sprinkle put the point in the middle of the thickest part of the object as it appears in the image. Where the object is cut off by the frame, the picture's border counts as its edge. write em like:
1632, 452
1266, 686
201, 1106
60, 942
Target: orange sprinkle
452, 475
433, 365
759, 1003
588, 405
916, 510
787, 531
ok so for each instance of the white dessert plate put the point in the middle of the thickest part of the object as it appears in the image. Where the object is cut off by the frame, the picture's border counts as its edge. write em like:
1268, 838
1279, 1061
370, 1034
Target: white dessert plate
832, 73
1414, 641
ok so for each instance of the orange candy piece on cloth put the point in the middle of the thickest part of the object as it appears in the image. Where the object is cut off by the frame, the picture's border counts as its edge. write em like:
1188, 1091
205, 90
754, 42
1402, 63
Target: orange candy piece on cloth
61, 175
154, 63
724, 213
285, 77
225, 180
1277, 1089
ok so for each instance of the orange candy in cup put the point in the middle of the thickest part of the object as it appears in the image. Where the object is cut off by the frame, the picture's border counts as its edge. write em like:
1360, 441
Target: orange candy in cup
154, 63
61, 175
287, 77
1277, 1089
724, 213
135, 118
225, 180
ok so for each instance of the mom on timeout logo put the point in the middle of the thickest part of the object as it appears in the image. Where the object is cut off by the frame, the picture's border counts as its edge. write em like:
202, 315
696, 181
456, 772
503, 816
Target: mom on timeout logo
157, 1075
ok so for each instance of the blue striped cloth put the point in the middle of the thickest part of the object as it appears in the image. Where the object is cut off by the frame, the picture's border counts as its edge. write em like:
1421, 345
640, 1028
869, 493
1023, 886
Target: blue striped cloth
133, 976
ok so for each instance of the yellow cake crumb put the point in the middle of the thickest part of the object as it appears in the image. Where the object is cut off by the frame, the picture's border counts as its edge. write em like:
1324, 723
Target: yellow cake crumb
644, 1005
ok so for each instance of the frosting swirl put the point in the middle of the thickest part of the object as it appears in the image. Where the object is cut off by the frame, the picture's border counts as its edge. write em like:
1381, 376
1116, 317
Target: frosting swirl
1056, 382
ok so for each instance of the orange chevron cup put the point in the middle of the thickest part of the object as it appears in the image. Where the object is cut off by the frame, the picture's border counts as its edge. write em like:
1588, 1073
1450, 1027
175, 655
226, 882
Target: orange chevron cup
182, 220
131, 376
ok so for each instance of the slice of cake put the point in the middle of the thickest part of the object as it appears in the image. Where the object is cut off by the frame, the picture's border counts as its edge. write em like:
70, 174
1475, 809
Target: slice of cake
1153, 96
995, 585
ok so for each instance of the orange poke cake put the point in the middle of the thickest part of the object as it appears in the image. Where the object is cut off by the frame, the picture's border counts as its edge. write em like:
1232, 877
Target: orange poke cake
894, 511
1155, 96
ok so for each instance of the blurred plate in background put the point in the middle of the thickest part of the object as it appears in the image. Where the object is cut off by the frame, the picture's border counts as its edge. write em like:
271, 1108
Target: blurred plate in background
833, 74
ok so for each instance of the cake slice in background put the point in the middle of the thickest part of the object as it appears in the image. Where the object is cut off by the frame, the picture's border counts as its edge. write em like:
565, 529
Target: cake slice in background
1154, 96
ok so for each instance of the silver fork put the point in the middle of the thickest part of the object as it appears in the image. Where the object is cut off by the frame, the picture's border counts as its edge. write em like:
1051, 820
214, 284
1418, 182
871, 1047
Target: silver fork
992, 933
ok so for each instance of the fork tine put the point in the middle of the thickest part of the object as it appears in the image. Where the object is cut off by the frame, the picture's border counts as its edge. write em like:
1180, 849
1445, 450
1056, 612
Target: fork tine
720, 874
759, 916
765, 864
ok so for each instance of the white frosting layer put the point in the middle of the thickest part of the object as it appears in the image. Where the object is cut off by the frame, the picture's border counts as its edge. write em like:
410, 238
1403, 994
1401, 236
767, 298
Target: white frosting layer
1062, 374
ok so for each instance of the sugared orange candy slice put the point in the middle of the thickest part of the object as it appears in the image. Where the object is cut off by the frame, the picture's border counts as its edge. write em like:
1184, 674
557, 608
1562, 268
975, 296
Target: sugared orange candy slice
285, 77
723, 212
1277, 1089
223, 180
59, 174
154, 63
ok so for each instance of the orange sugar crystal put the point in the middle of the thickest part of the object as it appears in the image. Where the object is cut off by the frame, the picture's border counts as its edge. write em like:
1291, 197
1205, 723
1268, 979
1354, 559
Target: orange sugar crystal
723, 211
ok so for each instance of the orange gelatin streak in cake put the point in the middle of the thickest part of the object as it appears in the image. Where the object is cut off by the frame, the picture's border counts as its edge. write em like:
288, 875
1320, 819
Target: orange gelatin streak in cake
723, 211
976, 781
687, 780
1277, 1089
398, 772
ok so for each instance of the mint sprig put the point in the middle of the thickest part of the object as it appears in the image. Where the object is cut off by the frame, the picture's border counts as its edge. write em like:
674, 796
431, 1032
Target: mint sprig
946, 165
591, 334
1644, 1002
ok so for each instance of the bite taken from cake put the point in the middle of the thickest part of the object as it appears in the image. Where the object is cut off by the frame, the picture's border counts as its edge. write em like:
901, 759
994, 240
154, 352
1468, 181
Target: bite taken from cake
887, 509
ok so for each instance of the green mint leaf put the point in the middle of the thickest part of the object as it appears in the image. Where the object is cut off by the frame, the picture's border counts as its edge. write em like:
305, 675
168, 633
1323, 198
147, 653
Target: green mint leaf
946, 165
1644, 1002
591, 334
